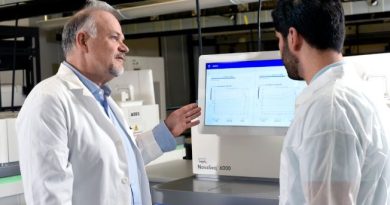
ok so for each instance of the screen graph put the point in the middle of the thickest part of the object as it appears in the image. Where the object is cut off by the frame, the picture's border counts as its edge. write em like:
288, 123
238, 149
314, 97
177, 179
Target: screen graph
250, 93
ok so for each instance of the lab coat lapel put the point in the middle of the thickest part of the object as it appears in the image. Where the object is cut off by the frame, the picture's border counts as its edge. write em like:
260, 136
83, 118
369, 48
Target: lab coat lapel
88, 100
117, 111
144, 183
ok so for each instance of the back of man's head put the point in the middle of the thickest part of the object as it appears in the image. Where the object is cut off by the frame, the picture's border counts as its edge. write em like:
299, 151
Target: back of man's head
319, 22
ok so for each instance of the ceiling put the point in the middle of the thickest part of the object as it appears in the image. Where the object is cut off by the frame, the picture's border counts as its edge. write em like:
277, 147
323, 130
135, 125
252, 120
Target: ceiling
18, 9
369, 27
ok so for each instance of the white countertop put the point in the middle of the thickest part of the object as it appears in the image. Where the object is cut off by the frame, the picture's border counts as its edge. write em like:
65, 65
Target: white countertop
10, 186
170, 166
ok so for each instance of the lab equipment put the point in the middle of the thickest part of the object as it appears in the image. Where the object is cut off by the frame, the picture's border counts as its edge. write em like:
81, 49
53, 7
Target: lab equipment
6, 95
133, 91
133, 86
247, 103
9, 159
254, 93
156, 65
218, 157
375, 69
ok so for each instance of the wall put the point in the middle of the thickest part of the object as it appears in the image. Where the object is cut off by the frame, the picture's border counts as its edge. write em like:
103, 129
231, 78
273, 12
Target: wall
51, 53
50, 49
143, 47
6, 76
174, 51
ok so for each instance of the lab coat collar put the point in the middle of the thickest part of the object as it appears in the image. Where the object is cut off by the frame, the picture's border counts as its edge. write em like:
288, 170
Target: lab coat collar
75, 85
330, 73
71, 80
93, 87
326, 68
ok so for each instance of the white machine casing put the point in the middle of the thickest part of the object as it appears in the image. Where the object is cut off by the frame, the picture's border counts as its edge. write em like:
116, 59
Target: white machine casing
156, 64
247, 155
375, 69
238, 153
8, 140
141, 118
241, 156
6, 95
134, 93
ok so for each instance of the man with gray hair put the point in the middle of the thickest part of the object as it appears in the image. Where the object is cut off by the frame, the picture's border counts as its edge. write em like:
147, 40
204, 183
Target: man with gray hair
75, 146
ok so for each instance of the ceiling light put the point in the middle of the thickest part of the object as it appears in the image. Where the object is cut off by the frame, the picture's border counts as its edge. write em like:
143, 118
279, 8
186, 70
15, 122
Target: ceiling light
372, 2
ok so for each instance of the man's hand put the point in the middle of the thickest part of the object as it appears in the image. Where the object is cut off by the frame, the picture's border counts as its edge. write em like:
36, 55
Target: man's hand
181, 119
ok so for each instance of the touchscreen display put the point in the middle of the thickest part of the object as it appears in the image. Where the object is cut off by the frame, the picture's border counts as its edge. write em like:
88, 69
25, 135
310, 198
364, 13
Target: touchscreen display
250, 93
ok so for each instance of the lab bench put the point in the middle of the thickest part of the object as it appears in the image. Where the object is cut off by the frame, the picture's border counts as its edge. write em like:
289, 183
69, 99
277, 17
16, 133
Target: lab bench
173, 183
11, 191
223, 191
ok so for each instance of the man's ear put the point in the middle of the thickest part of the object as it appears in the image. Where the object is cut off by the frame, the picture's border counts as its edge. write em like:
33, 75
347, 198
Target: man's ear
81, 40
294, 40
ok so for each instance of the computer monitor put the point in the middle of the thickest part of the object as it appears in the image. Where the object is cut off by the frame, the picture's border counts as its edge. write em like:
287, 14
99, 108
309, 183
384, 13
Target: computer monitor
246, 94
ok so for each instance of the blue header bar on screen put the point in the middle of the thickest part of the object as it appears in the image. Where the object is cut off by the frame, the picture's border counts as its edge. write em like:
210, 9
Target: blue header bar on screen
245, 64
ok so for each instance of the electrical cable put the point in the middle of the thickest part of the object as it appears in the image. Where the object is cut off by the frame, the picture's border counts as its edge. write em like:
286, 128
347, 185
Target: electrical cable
259, 27
1, 106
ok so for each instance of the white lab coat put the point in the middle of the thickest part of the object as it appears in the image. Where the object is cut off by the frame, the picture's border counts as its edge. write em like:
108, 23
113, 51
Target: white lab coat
71, 153
336, 151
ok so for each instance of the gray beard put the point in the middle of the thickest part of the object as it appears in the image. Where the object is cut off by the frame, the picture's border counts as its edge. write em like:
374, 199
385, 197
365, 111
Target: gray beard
116, 72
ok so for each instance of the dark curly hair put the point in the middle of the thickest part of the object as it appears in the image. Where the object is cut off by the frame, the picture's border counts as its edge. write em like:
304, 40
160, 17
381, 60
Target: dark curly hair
320, 22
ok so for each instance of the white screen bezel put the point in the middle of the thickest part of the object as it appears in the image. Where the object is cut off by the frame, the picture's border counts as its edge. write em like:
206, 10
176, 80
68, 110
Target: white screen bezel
233, 130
